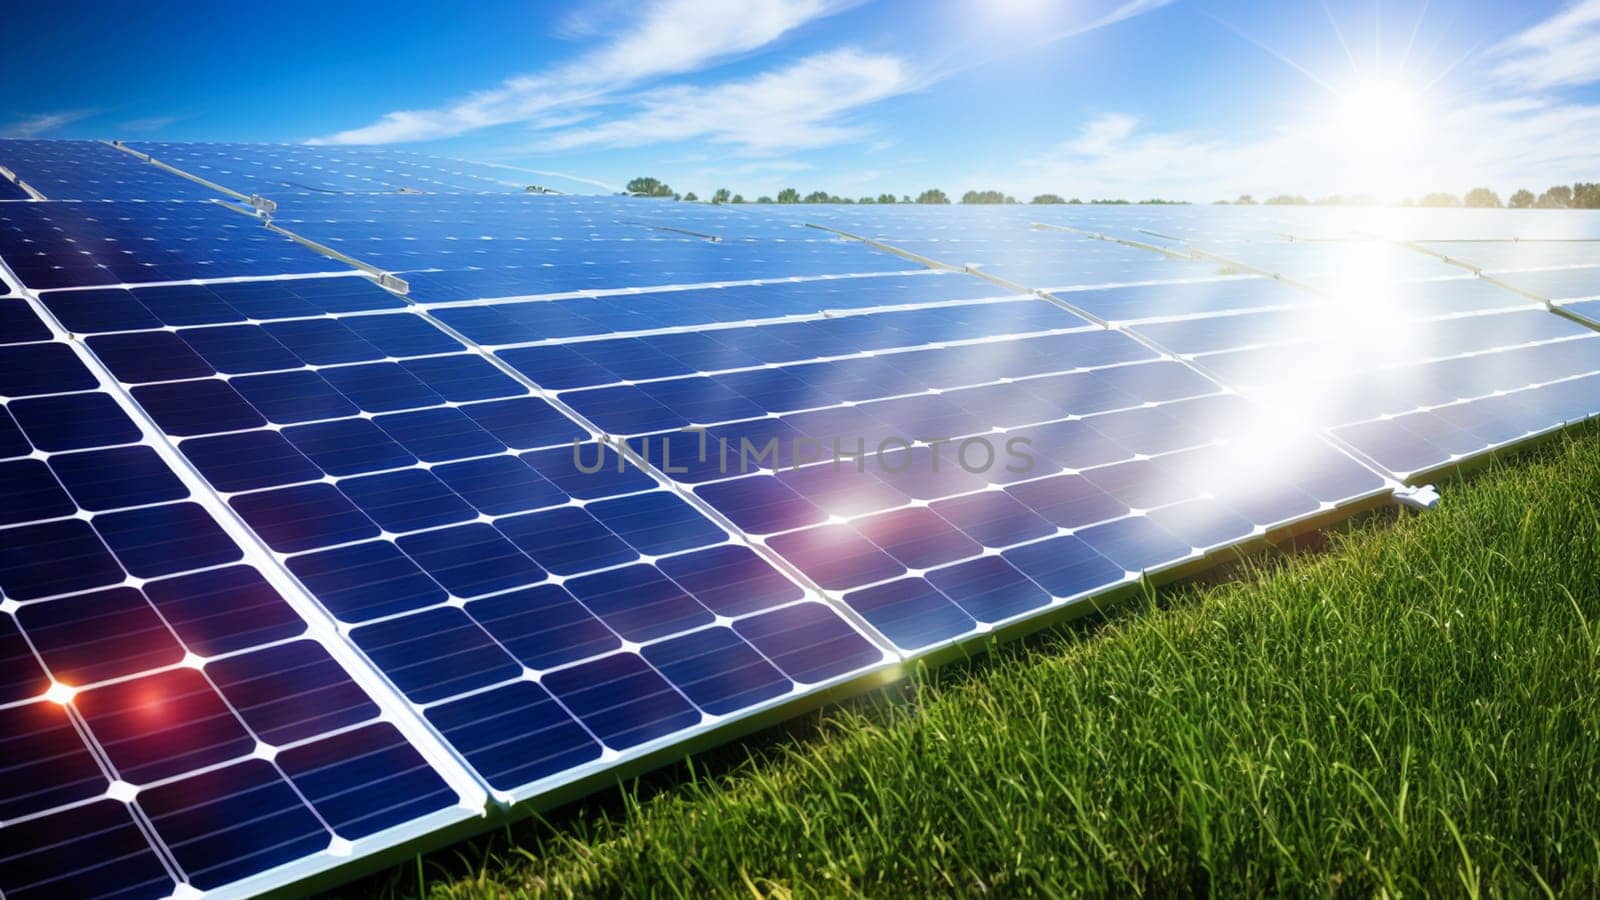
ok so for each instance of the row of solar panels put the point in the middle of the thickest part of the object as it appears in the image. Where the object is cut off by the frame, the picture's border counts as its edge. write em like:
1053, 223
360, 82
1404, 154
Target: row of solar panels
299, 570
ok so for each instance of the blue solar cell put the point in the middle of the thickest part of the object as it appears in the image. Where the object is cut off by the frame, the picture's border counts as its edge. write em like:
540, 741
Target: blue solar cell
12, 443
74, 422
1135, 543
543, 626
29, 492
117, 478
42, 369
289, 397
1203, 523
47, 764
910, 612
51, 558
514, 735
566, 540
717, 671
917, 537
187, 304
364, 781
366, 581
295, 519
402, 335
525, 423
323, 342
440, 434
731, 580
622, 700
589, 471
237, 349
231, 823
993, 518
435, 654
836, 557
989, 589
657, 523
144, 356
222, 610
408, 500
761, 504
471, 560
348, 447
197, 728
88, 312
44, 856
185, 408
291, 692
808, 642
639, 602
381, 387
21, 677
499, 485
1068, 501
463, 378
248, 460
163, 540
1065, 566
94, 637
19, 324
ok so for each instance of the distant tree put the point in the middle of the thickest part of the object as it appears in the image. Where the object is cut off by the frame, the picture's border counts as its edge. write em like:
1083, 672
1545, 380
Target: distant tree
1245, 200
932, 195
1522, 199
1439, 199
721, 196
1286, 200
763, 199
1557, 197
649, 187
813, 197
1483, 198
1046, 199
1074, 202
886, 198
1221, 203
691, 197
1586, 195
983, 197
866, 200
677, 196
788, 195
738, 198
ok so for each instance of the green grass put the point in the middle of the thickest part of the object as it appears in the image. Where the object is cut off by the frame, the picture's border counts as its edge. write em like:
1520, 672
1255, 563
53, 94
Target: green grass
1416, 708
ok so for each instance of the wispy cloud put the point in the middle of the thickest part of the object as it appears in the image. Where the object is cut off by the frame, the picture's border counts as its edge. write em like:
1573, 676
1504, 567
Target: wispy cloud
44, 123
671, 37
1560, 51
153, 124
803, 105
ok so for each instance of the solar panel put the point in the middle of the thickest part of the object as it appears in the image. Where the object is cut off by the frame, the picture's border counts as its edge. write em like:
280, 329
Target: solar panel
92, 170
619, 476
168, 709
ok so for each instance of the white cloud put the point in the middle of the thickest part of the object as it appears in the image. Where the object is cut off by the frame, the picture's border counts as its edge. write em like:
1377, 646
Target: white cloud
44, 123
1562, 50
804, 105
671, 37
153, 123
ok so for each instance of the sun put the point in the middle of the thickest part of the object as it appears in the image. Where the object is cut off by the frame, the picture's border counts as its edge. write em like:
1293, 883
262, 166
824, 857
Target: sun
1380, 118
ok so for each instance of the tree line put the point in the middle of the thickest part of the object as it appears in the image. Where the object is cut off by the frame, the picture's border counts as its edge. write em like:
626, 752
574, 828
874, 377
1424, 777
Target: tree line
654, 187
1583, 195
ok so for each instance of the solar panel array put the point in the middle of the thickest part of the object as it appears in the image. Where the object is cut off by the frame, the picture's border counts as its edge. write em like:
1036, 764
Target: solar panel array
297, 570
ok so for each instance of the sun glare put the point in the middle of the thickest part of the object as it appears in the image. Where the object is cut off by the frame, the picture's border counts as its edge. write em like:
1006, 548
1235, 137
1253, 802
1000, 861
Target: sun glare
1380, 118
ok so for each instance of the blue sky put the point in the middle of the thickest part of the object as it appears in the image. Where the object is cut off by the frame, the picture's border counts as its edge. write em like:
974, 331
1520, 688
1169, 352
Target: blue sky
1192, 99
